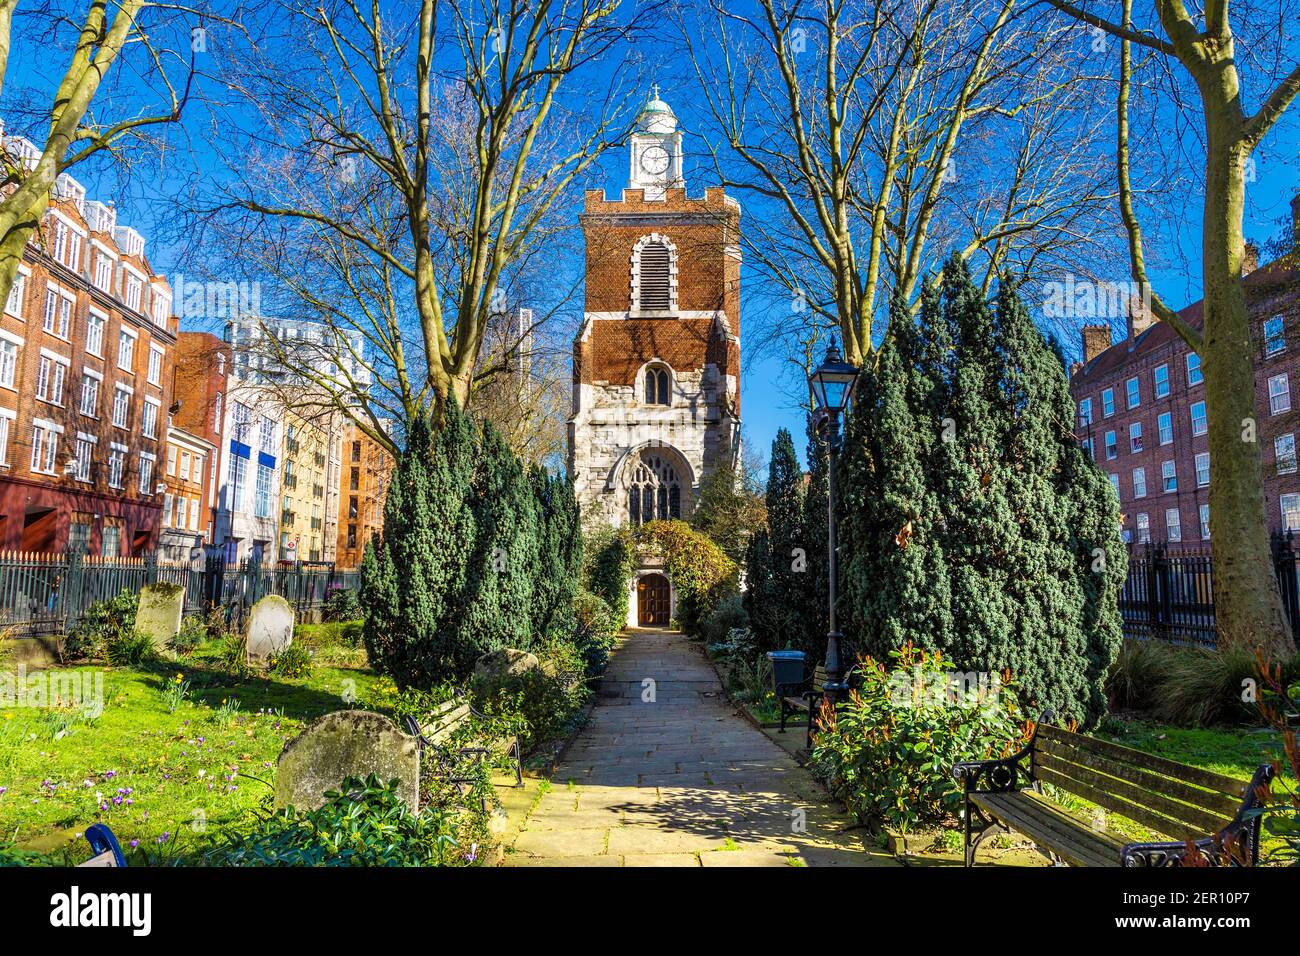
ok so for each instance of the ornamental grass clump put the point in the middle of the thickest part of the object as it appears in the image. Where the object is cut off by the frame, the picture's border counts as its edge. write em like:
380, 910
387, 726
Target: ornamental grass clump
889, 750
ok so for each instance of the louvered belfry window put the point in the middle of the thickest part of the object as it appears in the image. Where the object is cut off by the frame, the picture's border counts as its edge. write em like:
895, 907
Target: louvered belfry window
654, 276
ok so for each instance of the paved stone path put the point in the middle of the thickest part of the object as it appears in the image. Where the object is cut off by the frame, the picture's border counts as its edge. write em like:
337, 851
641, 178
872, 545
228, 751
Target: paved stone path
680, 779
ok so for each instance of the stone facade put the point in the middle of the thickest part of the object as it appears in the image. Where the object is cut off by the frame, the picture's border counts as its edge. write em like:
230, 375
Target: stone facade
656, 364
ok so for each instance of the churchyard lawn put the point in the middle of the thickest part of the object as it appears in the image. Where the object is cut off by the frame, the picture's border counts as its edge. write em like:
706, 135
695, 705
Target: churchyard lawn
158, 777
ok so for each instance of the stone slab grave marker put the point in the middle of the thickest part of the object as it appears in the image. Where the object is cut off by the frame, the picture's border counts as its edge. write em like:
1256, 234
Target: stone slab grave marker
270, 627
159, 615
346, 743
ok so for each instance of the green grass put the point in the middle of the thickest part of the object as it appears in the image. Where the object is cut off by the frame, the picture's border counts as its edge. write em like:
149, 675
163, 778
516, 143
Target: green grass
202, 766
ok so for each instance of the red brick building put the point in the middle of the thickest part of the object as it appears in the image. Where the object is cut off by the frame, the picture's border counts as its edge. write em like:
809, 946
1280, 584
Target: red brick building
87, 348
656, 364
367, 469
1142, 412
193, 445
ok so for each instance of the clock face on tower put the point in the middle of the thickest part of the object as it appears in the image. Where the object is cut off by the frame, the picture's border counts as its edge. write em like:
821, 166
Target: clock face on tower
654, 160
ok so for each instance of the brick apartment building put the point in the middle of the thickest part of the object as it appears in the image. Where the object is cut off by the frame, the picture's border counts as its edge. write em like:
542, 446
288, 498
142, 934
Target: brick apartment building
87, 348
191, 472
1142, 413
367, 469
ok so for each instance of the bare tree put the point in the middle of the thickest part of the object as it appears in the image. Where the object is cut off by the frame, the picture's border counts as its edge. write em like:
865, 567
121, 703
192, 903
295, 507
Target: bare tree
152, 42
402, 171
877, 137
1248, 606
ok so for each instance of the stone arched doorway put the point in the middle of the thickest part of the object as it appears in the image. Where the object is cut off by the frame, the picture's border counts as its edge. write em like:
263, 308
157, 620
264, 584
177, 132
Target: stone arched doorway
654, 600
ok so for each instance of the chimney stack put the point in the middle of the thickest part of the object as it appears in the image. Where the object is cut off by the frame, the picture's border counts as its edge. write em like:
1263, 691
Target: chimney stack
1249, 259
1140, 316
1096, 339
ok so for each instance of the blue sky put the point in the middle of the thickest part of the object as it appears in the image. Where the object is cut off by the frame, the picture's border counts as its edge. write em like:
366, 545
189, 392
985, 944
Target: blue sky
770, 392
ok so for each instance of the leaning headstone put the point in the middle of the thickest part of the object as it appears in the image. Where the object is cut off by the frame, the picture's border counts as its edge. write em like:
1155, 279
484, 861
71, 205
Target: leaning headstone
346, 743
270, 627
502, 669
159, 614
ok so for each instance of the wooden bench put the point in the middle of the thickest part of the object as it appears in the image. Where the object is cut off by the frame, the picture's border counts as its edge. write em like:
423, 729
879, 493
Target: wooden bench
802, 696
438, 730
105, 847
1195, 807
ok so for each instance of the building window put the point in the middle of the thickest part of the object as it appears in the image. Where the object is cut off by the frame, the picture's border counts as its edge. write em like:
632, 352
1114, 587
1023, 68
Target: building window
266, 432
1143, 528
1139, 482
1135, 436
1279, 394
150, 421
1085, 412
1108, 403
1165, 426
1133, 390
1114, 483
356, 451
1112, 446
85, 454
58, 314
1086, 445
1161, 376
167, 511
5, 417
1204, 512
1274, 340
14, 304
155, 365
1173, 525
1203, 469
1194, 376
263, 500
116, 465
657, 383
655, 491
1290, 512
1284, 453
1199, 422
8, 362
45, 449
1169, 476
49, 380
111, 541
103, 273
171, 460
236, 478
354, 480
121, 407
134, 292
146, 476
652, 275
95, 334
89, 395
125, 350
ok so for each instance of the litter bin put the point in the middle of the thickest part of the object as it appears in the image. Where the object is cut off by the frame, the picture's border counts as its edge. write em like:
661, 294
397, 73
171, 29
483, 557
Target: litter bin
788, 670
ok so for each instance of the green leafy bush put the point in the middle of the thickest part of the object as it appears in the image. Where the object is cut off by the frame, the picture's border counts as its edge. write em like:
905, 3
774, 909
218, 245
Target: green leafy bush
363, 823
540, 702
194, 632
702, 575
889, 751
341, 604
608, 564
728, 616
130, 649
294, 661
104, 623
594, 631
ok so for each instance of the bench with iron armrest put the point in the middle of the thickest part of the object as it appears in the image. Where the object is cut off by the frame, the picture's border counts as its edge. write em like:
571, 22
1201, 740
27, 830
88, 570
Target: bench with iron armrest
438, 730
1207, 810
802, 697
105, 846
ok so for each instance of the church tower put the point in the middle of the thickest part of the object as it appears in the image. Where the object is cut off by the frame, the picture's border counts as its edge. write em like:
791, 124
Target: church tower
656, 364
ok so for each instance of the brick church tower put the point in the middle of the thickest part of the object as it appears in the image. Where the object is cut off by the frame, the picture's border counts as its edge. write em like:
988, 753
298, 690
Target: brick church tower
656, 364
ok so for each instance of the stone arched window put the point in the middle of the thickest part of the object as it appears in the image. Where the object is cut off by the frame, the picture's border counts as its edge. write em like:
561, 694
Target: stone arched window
654, 274
658, 385
655, 491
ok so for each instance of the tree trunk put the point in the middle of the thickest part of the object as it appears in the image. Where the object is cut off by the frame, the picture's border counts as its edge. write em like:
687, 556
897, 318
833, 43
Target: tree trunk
1248, 605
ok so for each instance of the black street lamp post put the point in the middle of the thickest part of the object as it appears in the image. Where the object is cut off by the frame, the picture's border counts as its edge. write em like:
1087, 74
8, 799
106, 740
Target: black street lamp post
832, 386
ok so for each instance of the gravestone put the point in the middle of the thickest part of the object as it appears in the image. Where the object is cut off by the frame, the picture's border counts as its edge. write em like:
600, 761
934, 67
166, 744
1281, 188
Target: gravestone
159, 614
346, 743
270, 627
